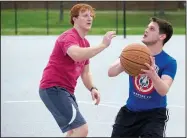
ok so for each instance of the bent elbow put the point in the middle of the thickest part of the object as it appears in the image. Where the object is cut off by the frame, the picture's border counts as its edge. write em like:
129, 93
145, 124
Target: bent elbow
163, 93
111, 74
76, 57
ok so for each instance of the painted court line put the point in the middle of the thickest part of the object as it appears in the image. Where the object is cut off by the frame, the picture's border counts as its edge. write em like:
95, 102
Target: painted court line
106, 104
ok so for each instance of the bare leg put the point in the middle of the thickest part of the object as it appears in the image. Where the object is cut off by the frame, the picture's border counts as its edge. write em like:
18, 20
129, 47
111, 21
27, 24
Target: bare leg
69, 133
81, 131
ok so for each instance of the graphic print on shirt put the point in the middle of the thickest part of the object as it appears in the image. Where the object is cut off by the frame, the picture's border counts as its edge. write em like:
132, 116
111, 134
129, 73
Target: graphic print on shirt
143, 85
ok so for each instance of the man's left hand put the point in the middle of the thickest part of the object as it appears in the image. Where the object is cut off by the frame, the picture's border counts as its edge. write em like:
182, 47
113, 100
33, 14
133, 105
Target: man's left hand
95, 96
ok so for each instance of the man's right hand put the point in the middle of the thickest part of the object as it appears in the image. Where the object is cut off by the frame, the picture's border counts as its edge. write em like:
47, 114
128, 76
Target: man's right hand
108, 37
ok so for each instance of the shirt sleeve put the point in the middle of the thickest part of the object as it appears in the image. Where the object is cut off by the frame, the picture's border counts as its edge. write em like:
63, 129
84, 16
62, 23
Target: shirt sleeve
170, 69
66, 42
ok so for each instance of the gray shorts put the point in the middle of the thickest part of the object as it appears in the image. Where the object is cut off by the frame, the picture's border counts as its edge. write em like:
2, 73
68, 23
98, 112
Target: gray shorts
63, 107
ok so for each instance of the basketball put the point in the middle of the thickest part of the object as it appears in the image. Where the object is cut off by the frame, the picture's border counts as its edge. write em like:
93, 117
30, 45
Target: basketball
133, 58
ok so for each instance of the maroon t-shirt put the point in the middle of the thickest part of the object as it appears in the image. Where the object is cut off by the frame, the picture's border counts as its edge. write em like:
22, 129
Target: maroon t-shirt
61, 69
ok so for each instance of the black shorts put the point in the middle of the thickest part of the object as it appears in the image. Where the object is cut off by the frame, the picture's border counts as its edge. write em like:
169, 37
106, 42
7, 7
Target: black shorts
150, 123
63, 107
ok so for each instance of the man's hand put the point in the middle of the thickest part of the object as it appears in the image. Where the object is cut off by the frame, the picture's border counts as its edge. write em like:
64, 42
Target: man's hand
151, 72
95, 96
108, 37
162, 84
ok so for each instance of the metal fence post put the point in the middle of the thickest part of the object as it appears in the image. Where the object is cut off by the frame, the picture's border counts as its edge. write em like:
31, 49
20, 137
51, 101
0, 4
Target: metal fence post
47, 17
61, 11
116, 17
15, 11
154, 8
124, 19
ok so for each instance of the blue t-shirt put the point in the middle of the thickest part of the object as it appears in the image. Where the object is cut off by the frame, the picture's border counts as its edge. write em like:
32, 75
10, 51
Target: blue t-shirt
142, 95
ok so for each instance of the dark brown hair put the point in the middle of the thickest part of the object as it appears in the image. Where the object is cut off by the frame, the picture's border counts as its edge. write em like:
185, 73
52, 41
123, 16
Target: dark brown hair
164, 28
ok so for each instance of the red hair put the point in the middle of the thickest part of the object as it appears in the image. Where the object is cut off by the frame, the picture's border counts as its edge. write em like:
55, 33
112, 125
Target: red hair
74, 12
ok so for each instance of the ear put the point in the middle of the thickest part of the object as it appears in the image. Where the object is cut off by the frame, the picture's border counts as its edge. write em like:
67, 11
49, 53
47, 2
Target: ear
74, 19
162, 36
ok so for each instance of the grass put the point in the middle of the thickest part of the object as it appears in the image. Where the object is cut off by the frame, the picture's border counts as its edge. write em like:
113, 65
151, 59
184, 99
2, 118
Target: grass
32, 22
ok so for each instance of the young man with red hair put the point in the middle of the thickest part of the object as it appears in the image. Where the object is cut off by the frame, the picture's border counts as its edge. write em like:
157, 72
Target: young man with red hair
69, 60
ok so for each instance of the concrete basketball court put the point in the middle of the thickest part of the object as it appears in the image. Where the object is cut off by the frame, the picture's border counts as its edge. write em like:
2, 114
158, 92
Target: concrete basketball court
23, 59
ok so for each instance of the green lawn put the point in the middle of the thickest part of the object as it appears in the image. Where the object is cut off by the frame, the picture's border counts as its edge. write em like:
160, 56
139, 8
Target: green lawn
32, 22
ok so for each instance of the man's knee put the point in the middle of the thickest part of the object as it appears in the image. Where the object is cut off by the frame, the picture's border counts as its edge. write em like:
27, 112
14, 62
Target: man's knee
82, 130
69, 133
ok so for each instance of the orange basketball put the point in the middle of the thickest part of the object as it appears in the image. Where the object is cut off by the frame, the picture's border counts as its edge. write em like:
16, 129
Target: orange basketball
133, 58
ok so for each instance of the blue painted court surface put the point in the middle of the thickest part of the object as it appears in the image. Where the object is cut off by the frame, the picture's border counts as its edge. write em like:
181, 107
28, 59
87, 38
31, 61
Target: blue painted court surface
23, 59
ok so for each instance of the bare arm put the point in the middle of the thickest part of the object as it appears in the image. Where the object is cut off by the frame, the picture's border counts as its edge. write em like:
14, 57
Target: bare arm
115, 69
78, 54
88, 83
162, 84
86, 77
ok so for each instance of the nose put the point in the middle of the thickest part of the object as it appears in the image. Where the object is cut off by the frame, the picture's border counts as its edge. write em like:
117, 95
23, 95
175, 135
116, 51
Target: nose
146, 30
90, 17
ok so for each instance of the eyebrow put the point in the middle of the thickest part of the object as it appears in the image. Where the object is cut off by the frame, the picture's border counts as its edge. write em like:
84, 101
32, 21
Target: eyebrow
151, 26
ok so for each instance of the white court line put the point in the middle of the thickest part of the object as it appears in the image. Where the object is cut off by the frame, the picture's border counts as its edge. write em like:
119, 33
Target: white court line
29, 101
84, 102
106, 104
100, 104
39, 101
102, 123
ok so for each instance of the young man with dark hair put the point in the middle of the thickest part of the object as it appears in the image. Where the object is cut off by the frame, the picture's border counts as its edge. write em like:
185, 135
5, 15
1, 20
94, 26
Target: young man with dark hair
145, 113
